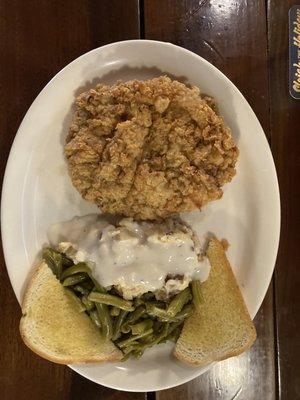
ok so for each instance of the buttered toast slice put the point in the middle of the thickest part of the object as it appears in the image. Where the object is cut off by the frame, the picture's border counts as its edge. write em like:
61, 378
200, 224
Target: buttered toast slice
53, 328
221, 327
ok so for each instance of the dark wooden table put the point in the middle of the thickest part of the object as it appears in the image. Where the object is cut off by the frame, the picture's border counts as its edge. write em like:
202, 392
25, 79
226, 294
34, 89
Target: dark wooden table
248, 41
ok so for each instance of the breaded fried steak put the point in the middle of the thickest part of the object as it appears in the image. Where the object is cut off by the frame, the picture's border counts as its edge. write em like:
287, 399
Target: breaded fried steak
149, 149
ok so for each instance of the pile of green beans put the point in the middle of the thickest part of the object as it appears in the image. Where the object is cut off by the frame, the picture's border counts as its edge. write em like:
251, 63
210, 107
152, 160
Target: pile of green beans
133, 325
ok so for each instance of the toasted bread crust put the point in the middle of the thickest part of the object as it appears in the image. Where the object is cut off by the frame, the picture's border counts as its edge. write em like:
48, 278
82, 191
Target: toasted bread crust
188, 349
32, 340
191, 361
114, 356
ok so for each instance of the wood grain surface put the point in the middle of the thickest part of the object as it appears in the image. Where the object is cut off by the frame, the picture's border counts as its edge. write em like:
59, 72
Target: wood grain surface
38, 38
285, 139
248, 41
226, 34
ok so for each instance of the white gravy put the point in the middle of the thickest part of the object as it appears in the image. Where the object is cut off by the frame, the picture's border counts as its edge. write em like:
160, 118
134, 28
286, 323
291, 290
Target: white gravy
136, 256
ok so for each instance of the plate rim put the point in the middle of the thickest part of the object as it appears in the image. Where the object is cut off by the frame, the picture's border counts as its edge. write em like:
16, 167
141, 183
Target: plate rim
13, 152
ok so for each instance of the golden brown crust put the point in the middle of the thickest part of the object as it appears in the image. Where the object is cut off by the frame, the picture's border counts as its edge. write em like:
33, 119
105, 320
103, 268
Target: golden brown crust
65, 361
192, 361
149, 149
30, 284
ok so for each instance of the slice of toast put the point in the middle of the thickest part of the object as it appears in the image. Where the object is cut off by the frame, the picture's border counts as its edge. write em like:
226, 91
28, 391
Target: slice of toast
53, 328
221, 327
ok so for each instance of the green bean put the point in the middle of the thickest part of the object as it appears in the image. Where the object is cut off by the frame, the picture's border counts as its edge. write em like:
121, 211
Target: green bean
179, 317
125, 357
138, 301
159, 304
167, 330
134, 351
141, 327
81, 289
164, 332
163, 340
184, 313
197, 294
178, 302
89, 305
137, 353
53, 260
74, 279
125, 328
143, 335
155, 311
80, 267
155, 340
66, 261
129, 348
72, 296
172, 327
141, 346
135, 315
118, 323
174, 335
147, 339
88, 285
157, 326
111, 300
115, 311
158, 337
132, 318
106, 322
97, 285
136, 346
95, 318
148, 296
131, 339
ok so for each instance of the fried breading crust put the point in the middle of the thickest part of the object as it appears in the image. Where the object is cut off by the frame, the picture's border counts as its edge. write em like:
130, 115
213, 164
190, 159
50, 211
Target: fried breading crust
149, 149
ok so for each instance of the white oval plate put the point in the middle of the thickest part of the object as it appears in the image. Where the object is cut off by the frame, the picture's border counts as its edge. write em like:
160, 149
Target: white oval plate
37, 190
